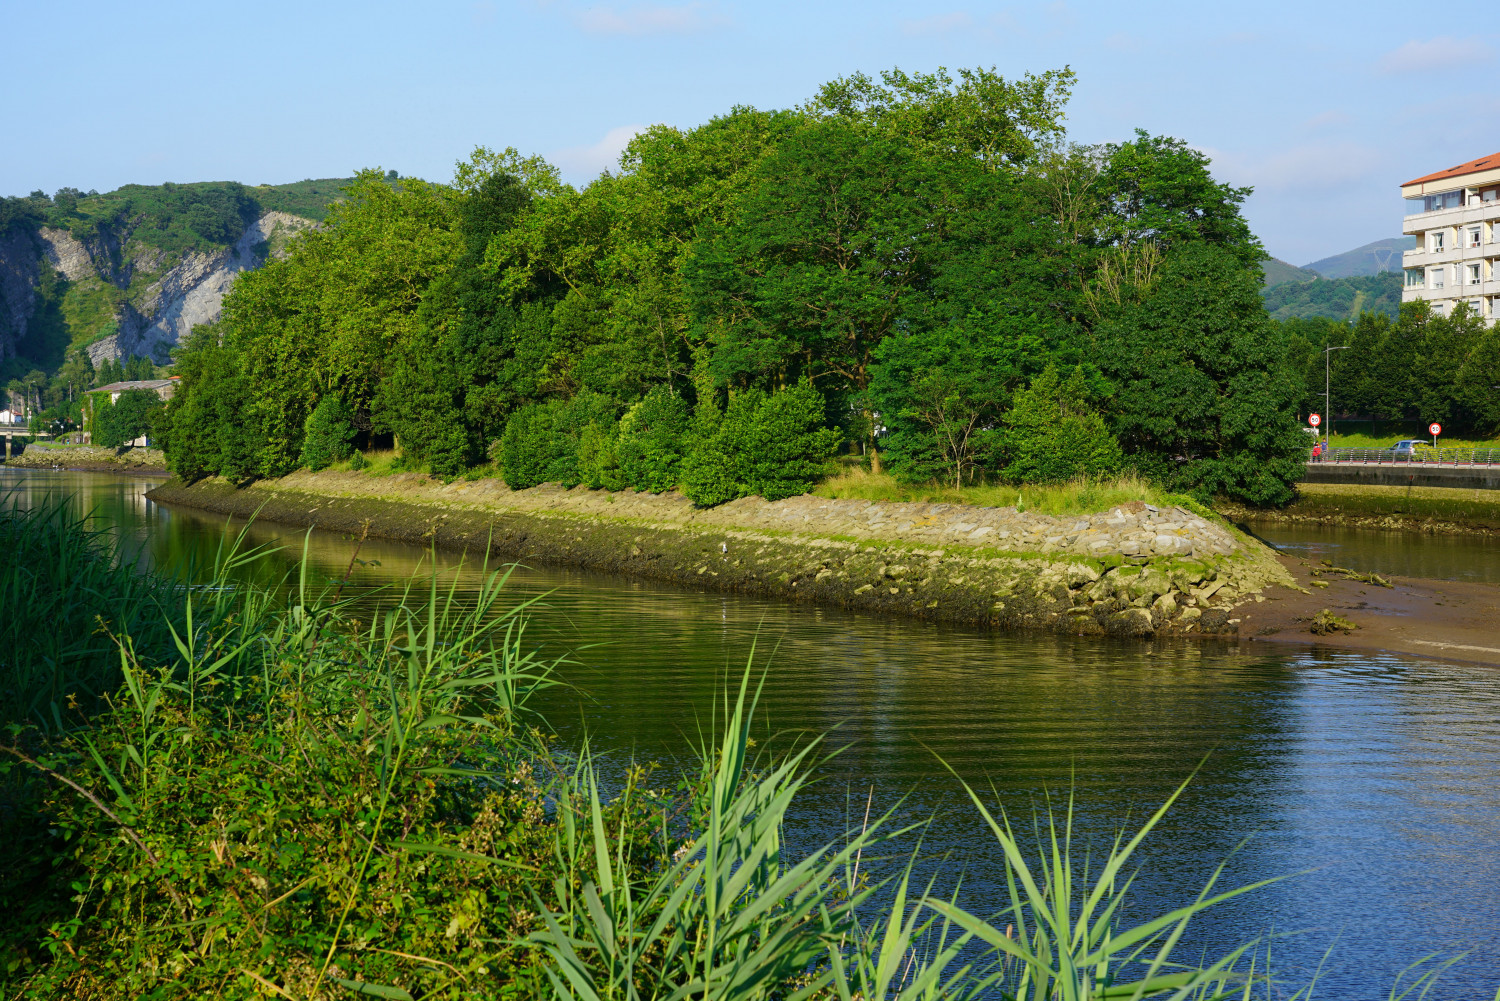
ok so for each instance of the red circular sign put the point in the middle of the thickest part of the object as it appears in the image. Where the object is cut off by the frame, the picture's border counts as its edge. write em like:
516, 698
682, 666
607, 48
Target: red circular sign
1434, 428
1314, 419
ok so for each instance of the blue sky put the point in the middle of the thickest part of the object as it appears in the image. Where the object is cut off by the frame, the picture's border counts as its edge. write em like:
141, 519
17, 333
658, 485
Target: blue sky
1323, 108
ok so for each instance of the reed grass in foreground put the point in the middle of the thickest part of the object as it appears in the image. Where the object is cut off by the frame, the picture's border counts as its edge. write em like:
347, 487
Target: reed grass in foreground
1076, 497
282, 801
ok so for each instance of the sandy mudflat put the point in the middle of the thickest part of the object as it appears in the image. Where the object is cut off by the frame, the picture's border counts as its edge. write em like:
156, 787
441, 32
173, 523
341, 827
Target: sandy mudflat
1447, 620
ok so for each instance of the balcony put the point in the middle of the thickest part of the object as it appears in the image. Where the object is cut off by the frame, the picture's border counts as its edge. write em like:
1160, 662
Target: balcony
1464, 214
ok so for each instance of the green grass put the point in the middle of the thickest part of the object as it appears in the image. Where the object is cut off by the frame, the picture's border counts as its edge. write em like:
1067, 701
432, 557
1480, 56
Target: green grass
1363, 440
1076, 497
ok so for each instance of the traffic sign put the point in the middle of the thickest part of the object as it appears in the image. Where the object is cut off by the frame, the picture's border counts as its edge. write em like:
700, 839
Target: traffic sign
1434, 429
1314, 419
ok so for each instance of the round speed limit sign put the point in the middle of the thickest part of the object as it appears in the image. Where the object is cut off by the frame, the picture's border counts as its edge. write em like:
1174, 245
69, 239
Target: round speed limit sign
1314, 419
1434, 429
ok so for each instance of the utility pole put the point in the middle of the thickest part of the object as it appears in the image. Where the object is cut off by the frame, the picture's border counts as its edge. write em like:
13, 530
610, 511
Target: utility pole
1328, 399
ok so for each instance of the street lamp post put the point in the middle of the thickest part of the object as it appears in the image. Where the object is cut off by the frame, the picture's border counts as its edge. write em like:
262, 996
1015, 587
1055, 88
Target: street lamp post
1327, 399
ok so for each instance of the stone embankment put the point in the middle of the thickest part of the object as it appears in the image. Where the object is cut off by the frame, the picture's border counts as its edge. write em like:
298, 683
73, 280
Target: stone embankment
1133, 570
42, 455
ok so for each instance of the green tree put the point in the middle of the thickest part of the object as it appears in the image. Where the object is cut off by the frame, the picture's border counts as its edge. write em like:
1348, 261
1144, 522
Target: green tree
653, 439
129, 417
1205, 400
1052, 432
328, 436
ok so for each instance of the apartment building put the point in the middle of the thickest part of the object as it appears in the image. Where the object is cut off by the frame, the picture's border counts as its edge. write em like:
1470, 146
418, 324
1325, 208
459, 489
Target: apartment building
1455, 216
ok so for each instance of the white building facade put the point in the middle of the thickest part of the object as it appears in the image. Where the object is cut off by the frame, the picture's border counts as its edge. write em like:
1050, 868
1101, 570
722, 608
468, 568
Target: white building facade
1455, 216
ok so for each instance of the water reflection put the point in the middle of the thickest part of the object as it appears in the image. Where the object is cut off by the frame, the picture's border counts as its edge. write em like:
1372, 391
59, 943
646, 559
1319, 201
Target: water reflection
1406, 554
1375, 772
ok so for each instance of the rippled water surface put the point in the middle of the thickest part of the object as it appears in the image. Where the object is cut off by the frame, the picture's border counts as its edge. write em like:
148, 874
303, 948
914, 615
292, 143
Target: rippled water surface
1377, 778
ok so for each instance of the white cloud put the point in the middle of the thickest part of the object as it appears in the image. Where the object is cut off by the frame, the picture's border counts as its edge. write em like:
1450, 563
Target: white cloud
1442, 53
668, 19
1311, 167
584, 163
938, 24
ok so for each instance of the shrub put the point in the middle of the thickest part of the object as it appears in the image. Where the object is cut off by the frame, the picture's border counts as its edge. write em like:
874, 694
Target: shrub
541, 440
327, 434
357, 461
1053, 434
653, 440
773, 445
598, 464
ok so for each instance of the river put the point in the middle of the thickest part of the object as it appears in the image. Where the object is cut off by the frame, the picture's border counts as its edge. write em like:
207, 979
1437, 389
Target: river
1377, 777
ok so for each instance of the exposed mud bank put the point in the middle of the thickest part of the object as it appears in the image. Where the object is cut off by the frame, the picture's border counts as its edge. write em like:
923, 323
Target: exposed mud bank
90, 458
901, 559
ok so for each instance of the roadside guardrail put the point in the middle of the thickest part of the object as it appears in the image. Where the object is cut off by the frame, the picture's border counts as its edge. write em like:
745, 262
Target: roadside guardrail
1419, 457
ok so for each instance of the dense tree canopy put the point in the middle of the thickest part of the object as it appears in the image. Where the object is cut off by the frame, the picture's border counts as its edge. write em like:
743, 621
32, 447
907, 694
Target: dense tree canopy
888, 265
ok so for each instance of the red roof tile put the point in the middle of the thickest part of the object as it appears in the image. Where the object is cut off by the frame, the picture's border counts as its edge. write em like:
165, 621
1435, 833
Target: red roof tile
1490, 162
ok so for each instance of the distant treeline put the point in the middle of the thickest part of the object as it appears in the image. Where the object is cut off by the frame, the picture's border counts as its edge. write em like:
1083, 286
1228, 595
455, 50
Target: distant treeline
1335, 299
1416, 366
919, 261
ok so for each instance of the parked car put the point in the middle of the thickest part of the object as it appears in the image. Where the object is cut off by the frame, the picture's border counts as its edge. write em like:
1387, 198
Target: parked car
1406, 449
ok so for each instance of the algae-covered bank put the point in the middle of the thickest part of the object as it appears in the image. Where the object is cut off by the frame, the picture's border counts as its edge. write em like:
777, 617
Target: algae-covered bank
91, 458
1133, 570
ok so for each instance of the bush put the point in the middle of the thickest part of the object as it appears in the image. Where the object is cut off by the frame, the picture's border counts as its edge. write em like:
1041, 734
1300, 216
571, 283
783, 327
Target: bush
541, 440
598, 463
357, 461
653, 441
774, 446
1053, 434
327, 434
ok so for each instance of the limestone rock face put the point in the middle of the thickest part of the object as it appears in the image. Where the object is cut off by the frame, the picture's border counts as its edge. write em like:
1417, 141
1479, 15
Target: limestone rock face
161, 296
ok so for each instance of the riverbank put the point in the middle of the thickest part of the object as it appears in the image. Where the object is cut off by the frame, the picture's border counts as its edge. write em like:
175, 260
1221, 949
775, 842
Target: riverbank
1436, 619
1134, 570
1428, 510
91, 458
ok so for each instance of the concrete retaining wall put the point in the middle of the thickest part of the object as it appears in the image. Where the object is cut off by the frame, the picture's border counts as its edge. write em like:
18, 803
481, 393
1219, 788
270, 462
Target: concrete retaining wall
1415, 475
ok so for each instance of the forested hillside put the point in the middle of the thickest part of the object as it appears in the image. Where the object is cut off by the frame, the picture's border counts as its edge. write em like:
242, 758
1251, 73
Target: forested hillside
919, 262
1335, 299
87, 278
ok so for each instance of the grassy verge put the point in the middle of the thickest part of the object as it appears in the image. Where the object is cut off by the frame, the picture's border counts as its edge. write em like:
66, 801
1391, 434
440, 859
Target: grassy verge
1077, 497
279, 799
1363, 440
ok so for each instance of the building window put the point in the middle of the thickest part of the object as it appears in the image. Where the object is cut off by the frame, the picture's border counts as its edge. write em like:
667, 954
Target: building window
1489, 194
1446, 200
1435, 277
1474, 235
1474, 276
1437, 309
1414, 277
1435, 241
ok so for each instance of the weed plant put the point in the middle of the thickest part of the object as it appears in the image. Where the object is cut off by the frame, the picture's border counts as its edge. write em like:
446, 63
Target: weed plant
281, 800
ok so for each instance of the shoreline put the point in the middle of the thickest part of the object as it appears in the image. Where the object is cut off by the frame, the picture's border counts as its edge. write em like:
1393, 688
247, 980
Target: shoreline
1417, 510
939, 562
90, 459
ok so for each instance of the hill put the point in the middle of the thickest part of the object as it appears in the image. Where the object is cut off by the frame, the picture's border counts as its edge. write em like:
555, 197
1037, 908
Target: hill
1279, 271
1337, 298
1371, 259
128, 272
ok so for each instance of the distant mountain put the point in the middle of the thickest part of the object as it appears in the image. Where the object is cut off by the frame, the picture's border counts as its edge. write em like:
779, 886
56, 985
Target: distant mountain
1279, 271
1335, 298
1371, 259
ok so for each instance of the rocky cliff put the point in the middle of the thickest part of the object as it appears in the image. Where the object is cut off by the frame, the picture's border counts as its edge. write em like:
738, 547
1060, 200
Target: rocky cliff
143, 299
123, 297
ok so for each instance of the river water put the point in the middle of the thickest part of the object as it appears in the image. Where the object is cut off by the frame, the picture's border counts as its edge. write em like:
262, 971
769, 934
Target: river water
1375, 777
